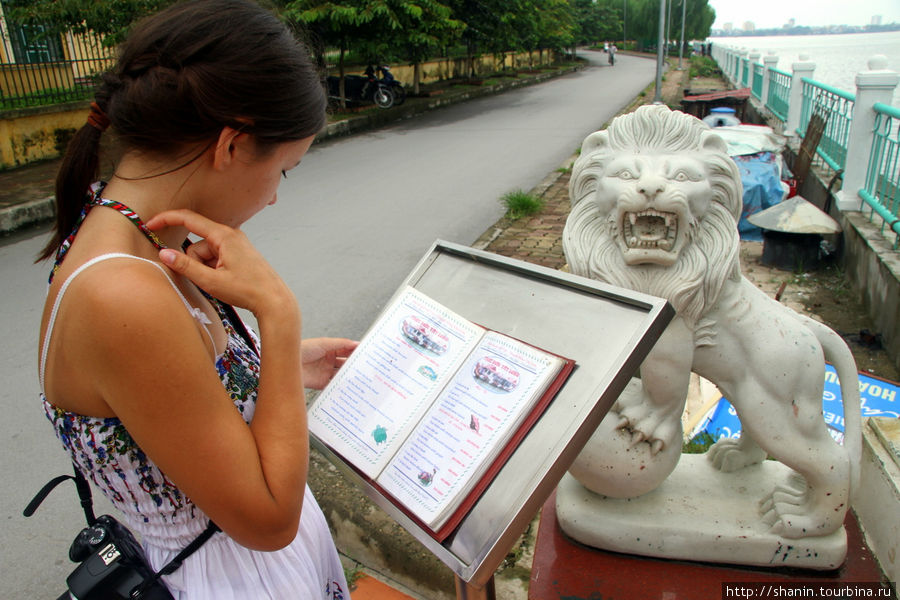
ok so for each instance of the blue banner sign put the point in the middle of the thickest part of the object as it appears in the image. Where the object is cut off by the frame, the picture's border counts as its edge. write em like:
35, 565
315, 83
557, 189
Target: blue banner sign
877, 398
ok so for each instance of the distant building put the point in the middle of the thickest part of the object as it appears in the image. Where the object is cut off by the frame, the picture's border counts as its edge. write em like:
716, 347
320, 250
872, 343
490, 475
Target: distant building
728, 26
791, 23
876, 19
749, 26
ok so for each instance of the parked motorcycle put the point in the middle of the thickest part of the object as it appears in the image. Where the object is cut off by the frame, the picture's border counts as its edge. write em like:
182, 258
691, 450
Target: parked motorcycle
359, 89
397, 89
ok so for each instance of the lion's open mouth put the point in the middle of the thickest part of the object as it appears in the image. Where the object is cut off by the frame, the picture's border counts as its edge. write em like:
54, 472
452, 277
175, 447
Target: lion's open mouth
650, 229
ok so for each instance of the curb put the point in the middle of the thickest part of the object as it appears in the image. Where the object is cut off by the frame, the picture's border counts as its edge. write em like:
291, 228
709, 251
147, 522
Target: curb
27, 213
36, 211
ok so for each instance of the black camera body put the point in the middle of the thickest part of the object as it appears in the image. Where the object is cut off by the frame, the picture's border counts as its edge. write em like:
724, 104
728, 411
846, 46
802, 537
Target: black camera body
112, 565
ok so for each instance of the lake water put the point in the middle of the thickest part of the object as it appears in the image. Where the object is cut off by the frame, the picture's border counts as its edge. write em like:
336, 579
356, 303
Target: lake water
838, 58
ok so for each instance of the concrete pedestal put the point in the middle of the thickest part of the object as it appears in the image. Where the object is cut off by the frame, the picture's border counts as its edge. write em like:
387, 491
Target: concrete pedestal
565, 569
697, 513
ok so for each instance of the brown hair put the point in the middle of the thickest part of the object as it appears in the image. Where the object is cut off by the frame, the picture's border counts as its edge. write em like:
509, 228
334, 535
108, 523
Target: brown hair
182, 75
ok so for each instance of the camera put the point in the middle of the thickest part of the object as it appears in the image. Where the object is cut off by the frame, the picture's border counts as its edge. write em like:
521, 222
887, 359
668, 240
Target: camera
90, 538
112, 565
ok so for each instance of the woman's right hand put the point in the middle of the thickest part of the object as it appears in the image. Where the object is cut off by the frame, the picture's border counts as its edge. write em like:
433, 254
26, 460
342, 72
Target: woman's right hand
224, 264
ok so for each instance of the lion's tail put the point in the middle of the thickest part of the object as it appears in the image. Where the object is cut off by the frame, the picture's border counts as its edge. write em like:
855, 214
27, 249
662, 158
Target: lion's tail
838, 353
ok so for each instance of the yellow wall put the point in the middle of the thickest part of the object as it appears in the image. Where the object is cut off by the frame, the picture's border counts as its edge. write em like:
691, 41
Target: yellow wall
32, 135
450, 68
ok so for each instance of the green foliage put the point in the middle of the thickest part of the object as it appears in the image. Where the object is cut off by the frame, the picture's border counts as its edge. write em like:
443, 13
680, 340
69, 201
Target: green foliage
353, 575
642, 20
521, 204
110, 18
597, 21
699, 444
703, 66
381, 30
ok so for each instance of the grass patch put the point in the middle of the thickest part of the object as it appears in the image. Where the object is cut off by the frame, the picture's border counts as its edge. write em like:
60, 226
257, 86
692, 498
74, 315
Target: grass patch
703, 66
521, 204
699, 444
353, 575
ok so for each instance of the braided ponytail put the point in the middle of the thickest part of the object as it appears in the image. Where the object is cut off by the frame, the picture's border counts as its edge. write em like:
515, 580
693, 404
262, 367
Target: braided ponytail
181, 76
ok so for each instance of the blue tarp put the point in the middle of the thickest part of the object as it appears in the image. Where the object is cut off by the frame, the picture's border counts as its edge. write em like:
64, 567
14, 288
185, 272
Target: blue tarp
878, 398
761, 177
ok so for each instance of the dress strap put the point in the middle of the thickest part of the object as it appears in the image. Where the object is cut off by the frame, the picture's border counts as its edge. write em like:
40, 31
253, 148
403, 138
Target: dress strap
95, 198
198, 314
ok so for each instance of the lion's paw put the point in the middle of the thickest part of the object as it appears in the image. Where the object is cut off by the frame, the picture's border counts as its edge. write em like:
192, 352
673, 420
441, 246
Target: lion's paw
654, 427
792, 514
729, 455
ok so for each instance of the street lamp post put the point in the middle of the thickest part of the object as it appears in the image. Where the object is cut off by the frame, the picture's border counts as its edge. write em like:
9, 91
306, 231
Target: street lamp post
657, 96
624, 16
668, 25
681, 45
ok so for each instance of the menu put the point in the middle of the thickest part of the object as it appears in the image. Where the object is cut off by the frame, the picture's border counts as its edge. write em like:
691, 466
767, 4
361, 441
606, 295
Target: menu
430, 406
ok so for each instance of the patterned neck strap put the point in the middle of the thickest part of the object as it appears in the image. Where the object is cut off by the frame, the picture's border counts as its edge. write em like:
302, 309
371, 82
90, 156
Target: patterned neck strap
96, 199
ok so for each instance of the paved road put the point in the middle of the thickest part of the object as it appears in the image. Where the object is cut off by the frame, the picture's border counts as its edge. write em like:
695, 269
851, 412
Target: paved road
350, 223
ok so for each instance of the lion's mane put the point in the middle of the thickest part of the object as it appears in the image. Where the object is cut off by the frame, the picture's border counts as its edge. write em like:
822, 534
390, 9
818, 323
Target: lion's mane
710, 258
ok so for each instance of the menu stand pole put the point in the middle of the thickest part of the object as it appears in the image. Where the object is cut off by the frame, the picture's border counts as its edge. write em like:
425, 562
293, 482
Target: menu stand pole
467, 591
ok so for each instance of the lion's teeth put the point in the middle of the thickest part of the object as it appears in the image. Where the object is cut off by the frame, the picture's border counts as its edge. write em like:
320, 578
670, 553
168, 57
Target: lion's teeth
632, 218
669, 218
632, 241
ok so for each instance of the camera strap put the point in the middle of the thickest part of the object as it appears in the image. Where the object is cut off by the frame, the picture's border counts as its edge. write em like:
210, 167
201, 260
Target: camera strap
87, 504
84, 493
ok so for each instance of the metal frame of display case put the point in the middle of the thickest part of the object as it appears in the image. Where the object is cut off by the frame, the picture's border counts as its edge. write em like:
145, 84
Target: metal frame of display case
607, 330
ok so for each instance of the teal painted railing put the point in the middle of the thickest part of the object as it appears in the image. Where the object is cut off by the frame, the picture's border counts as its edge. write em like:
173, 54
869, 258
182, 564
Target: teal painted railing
779, 94
835, 107
882, 188
745, 72
757, 87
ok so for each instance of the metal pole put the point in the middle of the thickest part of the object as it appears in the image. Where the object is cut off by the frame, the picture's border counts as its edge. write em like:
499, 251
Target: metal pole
668, 25
467, 591
657, 97
624, 16
681, 45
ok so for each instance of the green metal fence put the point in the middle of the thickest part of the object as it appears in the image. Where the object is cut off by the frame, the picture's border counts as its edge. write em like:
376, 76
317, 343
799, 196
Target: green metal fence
883, 174
745, 72
835, 106
758, 74
779, 95
42, 80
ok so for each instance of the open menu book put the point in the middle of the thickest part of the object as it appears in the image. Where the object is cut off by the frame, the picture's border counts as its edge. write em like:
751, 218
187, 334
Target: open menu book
430, 406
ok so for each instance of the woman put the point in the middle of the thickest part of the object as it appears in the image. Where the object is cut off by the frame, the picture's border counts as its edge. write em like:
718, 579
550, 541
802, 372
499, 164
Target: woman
212, 102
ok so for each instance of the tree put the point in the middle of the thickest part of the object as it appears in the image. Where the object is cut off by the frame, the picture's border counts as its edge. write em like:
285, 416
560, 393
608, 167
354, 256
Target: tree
109, 18
555, 26
376, 28
331, 23
420, 28
597, 20
643, 20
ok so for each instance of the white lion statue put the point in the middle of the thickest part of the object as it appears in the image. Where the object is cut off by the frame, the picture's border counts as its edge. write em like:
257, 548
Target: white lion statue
655, 204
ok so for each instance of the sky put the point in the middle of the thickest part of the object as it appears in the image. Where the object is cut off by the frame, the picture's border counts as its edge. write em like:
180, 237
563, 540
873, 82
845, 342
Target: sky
775, 13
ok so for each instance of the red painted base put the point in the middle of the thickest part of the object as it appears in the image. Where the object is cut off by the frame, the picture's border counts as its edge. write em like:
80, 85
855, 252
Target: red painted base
567, 570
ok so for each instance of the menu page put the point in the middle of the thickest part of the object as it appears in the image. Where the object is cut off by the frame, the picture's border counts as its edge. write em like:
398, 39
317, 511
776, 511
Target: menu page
391, 378
467, 426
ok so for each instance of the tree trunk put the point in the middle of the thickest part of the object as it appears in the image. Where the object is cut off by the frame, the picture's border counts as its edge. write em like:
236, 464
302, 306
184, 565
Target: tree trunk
342, 88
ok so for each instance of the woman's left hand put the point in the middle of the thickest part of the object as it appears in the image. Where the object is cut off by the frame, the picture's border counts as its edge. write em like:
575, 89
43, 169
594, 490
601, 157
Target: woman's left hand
322, 357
